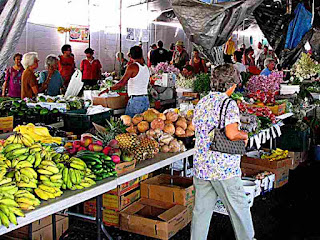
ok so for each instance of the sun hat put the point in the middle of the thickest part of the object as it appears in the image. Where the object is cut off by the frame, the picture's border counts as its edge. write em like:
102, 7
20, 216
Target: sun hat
179, 43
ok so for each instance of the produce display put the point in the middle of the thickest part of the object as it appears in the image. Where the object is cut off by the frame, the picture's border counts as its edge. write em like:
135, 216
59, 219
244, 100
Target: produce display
30, 171
276, 154
163, 127
202, 83
185, 82
305, 68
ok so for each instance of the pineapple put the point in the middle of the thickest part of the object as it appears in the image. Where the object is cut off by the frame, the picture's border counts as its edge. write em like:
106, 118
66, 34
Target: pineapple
112, 129
127, 140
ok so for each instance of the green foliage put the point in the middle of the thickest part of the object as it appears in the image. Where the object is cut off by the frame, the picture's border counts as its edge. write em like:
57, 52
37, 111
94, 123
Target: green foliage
202, 83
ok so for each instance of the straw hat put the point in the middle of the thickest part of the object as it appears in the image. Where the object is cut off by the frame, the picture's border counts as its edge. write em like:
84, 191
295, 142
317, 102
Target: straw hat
179, 43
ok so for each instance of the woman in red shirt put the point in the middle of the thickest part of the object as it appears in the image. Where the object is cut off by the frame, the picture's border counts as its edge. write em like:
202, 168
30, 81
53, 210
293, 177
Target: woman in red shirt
90, 68
198, 63
66, 64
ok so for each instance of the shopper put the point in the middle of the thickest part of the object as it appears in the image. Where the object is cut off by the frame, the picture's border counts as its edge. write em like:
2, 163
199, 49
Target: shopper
159, 55
248, 59
152, 48
263, 56
269, 64
66, 64
218, 174
198, 63
180, 57
237, 57
51, 76
29, 86
90, 68
12, 81
137, 78
258, 52
123, 62
171, 51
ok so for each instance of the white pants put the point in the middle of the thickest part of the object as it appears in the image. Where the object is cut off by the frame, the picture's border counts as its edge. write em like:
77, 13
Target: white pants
233, 197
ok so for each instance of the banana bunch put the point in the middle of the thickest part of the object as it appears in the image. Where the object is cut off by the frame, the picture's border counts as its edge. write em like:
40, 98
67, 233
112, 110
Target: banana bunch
24, 139
277, 154
37, 133
8, 187
9, 209
75, 174
26, 200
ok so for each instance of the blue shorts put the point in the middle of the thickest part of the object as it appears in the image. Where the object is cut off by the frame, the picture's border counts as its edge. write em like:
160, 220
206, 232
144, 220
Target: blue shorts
137, 105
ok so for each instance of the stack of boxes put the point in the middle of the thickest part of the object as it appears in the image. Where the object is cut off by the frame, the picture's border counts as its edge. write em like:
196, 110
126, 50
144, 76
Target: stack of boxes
165, 207
116, 200
41, 229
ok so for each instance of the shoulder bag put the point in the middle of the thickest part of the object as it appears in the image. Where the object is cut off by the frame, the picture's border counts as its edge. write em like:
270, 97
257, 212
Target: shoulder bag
219, 140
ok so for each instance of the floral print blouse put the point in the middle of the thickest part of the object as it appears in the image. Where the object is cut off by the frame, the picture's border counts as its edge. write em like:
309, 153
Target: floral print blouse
211, 165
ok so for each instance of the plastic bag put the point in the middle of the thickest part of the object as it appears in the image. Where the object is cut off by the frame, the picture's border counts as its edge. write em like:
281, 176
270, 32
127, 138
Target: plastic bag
75, 84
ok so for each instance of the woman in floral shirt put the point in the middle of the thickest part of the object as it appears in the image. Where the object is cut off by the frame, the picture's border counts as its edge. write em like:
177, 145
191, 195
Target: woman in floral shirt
219, 174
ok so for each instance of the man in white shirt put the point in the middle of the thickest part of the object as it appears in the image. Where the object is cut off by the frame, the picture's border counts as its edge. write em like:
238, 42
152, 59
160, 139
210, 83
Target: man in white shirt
237, 57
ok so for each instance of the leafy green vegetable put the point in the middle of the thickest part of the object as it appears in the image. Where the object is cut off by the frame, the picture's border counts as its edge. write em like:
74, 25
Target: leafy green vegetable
202, 83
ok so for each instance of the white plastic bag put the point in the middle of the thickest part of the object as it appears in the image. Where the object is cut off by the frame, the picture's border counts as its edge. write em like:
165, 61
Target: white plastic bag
75, 84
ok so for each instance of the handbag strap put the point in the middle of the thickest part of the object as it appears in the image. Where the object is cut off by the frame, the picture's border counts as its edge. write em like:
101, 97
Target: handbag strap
228, 100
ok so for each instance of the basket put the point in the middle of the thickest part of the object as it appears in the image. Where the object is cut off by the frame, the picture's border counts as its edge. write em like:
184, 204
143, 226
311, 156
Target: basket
112, 102
79, 121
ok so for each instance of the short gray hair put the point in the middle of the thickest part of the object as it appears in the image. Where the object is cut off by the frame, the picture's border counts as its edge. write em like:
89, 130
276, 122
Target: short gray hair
28, 59
51, 60
223, 77
268, 61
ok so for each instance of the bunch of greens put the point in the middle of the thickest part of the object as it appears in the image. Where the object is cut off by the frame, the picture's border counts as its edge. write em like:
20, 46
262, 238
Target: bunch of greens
202, 83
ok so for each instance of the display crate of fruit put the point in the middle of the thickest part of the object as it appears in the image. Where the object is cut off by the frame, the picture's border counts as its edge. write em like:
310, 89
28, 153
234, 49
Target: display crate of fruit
277, 109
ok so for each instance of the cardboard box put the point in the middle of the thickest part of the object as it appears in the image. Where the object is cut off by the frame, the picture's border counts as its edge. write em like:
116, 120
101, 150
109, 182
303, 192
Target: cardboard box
111, 102
295, 159
281, 174
167, 188
191, 94
124, 167
111, 218
267, 163
6, 124
115, 202
153, 218
41, 229
125, 187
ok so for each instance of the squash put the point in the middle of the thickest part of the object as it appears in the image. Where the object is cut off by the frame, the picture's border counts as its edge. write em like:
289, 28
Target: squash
180, 131
132, 129
149, 115
126, 120
169, 128
189, 133
191, 127
172, 116
157, 124
137, 119
182, 123
162, 116
143, 126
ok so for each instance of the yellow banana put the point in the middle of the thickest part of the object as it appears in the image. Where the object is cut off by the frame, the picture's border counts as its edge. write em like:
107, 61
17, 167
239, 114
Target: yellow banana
77, 166
41, 194
12, 147
31, 158
56, 177
8, 202
48, 183
23, 164
16, 211
8, 163
28, 138
25, 178
26, 207
45, 172
5, 209
29, 172
44, 178
27, 185
85, 184
5, 180
35, 145
4, 219
48, 163
72, 176
17, 176
47, 188
52, 169
35, 149
12, 218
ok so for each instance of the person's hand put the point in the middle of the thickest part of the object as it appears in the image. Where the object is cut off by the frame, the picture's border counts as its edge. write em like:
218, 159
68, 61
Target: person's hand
246, 142
105, 91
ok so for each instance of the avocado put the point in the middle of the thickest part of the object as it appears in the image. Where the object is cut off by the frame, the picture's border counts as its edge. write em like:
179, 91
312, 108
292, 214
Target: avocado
38, 107
55, 111
16, 104
41, 99
44, 111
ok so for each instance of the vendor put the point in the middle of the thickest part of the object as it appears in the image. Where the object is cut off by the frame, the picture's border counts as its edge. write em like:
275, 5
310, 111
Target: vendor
123, 62
137, 78
180, 56
66, 64
29, 86
90, 68
269, 64
51, 76
198, 63
12, 80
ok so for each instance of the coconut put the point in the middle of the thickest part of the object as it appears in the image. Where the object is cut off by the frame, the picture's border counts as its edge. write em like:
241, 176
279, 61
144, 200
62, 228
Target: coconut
137, 119
172, 116
180, 131
182, 123
169, 128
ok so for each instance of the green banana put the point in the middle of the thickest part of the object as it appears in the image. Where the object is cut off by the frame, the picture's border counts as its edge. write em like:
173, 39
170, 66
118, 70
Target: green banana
12, 147
38, 159
9, 202
65, 175
4, 219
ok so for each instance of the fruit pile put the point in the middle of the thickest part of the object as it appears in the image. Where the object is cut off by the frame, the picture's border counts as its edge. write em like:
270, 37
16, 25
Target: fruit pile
163, 127
101, 165
277, 154
30, 171
258, 111
33, 133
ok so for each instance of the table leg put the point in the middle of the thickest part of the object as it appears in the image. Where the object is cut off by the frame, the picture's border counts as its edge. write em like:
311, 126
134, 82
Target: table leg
30, 231
100, 227
54, 227
185, 164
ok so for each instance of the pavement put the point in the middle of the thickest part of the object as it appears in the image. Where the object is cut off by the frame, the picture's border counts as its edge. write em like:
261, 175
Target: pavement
291, 212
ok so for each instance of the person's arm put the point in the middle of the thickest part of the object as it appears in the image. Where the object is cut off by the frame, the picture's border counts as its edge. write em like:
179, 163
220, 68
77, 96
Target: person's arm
5, 84
34, 86
232, 120
81, 66
131, 71
204, 66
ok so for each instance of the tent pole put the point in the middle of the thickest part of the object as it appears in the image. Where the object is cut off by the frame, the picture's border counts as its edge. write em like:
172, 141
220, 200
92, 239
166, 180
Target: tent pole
120, 44
89, 22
